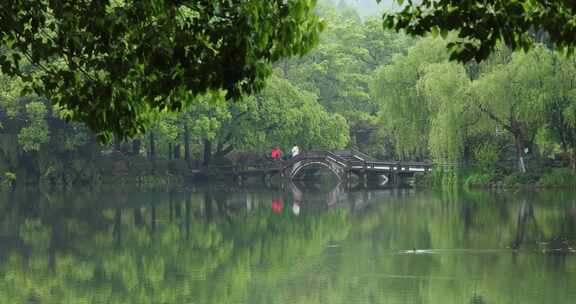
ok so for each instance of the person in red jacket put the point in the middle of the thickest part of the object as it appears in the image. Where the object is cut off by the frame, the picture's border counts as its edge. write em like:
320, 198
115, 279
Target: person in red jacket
276, 153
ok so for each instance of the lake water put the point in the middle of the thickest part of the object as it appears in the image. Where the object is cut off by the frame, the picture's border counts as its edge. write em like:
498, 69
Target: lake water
240, 245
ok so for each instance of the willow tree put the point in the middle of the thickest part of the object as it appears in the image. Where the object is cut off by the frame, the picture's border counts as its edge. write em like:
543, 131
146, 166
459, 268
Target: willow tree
404, 113
110, 62
559, 103
512, 95
444, 86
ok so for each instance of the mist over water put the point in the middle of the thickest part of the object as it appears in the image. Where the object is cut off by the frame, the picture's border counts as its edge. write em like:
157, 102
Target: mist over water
227, 244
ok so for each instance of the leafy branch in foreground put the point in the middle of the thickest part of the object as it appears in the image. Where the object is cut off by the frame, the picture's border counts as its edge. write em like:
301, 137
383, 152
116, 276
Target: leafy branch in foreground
111, 62
481, 24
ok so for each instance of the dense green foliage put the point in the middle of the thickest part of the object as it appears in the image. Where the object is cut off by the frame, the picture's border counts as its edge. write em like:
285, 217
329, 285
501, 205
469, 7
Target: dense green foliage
384, 93
562, 178
512, 108
109, 63
482, 24
309, 102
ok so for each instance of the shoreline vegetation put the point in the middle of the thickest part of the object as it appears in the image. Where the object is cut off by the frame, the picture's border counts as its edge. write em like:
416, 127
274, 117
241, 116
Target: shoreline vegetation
136, 171
547, 179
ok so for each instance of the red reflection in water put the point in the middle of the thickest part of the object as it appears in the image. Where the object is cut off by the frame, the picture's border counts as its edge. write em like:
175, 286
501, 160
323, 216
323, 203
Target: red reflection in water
277, 206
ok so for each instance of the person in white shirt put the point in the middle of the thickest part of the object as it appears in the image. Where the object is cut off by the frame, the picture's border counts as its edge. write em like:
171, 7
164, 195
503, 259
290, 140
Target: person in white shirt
295, 151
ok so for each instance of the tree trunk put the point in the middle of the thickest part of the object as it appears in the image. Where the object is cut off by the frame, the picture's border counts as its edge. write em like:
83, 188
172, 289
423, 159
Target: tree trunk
136, 144
138, 218
152, 145
177, 154
186, 142
207, 152
117, 144
520, 152
221, 152
517, 131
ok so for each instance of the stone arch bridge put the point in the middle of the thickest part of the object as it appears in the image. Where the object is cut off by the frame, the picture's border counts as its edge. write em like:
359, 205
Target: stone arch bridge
344, 165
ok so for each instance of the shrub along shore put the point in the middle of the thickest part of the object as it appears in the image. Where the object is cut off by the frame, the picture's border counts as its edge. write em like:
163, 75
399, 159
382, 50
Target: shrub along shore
470, 178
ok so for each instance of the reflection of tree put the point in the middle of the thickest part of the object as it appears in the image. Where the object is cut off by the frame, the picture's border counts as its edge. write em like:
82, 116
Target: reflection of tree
525, 217
187, 214
138, 220
216, 260
570, 225
477, 299
190, 258
553, 238
117, 230
459, 261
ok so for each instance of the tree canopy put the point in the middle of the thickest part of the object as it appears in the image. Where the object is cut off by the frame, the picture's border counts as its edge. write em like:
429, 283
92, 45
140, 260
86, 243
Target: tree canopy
514, 105
384, 93
110, 62
481, 24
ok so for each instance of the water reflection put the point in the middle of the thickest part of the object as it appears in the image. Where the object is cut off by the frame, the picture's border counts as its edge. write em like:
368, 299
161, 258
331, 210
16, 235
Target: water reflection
239, 245
321, 196
525, 218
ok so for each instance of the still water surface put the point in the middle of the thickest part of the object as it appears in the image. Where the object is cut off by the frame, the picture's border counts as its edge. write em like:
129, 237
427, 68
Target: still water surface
233, 245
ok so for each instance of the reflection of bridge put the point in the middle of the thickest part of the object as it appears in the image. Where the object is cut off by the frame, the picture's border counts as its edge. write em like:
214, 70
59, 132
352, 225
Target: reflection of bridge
340, 197
344, 164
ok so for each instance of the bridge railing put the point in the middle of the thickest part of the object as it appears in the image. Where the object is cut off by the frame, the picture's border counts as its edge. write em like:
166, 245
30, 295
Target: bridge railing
338, 158
353, 153
357, 158
311, 155
392, 166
